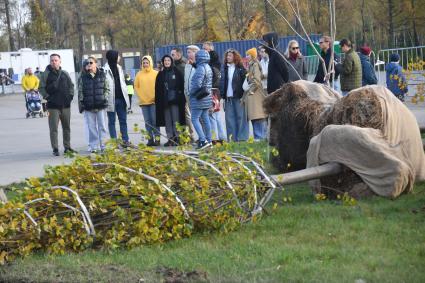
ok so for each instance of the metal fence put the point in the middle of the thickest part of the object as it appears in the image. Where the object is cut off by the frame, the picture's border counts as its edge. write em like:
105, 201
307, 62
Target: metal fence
240, 45
407, 55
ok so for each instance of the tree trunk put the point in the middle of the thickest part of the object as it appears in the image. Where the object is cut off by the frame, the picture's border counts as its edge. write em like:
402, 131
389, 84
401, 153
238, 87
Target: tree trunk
415, 32
111, 36
362, 11
9, 27
204, 13
80, 31
268, 16
229, 30
174, 20
390, 23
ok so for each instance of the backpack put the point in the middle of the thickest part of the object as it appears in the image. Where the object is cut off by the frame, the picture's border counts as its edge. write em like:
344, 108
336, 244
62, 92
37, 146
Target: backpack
216, 77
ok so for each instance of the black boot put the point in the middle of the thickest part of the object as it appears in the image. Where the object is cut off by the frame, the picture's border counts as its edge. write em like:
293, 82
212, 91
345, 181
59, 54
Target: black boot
150, 142
176, 141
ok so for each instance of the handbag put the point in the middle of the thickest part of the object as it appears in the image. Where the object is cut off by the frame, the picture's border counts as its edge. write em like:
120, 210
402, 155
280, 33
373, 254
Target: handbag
203, 91
171, 94
245, 85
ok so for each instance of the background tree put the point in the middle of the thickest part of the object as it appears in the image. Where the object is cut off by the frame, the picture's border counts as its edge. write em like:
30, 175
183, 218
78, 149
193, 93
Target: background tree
146, 24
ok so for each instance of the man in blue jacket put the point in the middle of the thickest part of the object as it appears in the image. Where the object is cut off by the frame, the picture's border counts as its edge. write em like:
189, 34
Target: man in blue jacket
368, 72
396, 80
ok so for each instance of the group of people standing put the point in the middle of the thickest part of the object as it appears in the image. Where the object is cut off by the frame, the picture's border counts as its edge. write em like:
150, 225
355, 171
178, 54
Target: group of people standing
191, 92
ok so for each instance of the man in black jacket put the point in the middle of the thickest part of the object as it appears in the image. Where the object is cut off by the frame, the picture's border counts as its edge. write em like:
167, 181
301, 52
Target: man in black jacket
325, 45
179, 60
57, 88
278, 70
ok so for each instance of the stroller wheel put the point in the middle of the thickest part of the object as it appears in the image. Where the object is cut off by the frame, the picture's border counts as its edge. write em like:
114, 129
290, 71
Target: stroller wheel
27, 115
41, 115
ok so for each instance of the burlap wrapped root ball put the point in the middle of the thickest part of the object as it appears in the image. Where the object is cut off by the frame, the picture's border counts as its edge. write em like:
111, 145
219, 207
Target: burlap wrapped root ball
295, 111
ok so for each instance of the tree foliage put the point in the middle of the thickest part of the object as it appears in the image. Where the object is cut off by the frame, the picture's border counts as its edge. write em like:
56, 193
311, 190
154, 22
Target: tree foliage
146, 24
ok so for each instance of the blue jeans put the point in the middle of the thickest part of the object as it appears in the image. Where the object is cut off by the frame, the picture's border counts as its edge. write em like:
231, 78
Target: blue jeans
259, 127
198, 114
217, 128
149, 115
236, 120
121, 112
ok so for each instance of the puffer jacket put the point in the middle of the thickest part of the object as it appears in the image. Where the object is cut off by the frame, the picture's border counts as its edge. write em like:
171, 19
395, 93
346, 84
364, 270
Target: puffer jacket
368, 72
111, 84
93, 91
201, 78
351, 75
396, 80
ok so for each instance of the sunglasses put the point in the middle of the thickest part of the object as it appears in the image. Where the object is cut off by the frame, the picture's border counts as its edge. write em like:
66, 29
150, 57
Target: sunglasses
91, 62
295, 48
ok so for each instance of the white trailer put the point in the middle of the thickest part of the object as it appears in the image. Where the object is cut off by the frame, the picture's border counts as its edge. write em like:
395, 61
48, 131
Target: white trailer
18, 61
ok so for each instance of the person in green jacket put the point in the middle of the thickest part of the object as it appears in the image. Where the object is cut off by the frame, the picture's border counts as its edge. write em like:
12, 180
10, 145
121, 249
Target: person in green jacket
130, 89
351, 75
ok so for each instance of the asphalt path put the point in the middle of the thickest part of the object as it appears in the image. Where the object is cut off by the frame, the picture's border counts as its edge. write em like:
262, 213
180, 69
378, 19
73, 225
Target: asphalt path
25, 145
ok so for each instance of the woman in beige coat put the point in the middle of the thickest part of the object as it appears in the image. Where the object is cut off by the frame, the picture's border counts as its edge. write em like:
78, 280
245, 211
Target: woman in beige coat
254, 97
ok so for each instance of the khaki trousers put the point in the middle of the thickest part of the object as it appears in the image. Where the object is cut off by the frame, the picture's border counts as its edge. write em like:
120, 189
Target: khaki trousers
64, 116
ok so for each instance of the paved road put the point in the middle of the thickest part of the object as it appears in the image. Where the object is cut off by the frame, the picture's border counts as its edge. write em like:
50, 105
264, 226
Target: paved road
25, 145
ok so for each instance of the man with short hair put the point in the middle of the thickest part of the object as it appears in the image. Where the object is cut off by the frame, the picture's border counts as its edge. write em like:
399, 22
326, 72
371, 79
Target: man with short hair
179, 60
57, 88
351, 73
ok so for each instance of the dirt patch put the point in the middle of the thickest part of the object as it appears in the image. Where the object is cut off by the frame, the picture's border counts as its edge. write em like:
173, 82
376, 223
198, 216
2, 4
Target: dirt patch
347, 181
173, 275
83, 273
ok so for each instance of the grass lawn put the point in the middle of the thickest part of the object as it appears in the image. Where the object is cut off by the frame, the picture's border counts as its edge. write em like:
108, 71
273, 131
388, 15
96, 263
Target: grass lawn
377, 240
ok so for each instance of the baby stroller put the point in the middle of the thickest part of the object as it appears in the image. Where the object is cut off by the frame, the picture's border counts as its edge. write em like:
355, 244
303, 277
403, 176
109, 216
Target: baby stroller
33, 103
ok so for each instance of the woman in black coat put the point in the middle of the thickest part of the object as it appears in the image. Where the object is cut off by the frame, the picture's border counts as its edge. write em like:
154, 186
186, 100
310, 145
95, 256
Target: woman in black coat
170, 100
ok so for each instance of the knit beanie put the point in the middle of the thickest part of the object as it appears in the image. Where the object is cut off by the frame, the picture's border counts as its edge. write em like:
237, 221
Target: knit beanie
394, 57
365, 50
252, 52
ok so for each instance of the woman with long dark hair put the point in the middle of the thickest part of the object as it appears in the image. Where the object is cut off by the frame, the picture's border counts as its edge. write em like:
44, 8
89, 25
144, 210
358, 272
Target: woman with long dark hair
170, 100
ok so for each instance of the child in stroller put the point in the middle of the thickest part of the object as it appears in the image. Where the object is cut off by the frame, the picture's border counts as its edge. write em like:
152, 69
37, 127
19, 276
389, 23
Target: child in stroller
33, 103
